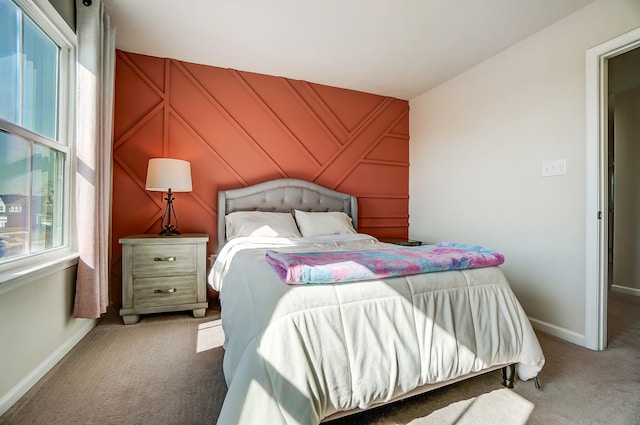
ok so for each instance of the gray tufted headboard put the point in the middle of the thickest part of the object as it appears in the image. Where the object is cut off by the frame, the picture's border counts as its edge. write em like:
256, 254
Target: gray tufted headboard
283, 195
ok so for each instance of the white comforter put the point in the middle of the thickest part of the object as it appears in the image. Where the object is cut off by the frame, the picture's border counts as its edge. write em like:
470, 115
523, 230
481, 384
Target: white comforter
295, 354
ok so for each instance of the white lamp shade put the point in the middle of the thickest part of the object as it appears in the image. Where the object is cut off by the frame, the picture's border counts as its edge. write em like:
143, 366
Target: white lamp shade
167, 173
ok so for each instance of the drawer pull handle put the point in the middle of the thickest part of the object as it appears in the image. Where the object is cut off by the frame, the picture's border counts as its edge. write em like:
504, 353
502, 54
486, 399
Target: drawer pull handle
165, 291
164, 259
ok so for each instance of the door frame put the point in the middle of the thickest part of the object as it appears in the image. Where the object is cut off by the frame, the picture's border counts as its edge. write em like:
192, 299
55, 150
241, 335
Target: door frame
597, 185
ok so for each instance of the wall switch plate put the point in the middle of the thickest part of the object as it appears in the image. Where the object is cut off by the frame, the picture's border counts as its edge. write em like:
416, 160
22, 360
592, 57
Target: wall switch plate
554, 167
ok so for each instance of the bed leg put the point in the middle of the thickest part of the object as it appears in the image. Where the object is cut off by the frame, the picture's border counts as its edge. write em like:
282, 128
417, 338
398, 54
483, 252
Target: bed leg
508, 375
536, 383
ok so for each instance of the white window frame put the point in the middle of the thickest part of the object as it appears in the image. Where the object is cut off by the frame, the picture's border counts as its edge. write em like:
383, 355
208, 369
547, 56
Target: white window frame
15, 273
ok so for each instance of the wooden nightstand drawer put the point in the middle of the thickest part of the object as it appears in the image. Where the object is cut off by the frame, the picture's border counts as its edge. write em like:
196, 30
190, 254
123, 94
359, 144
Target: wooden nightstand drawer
163, 273
162, 260
174, 290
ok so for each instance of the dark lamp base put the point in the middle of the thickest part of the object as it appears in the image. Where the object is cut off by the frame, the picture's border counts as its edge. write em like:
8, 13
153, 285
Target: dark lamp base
169, 231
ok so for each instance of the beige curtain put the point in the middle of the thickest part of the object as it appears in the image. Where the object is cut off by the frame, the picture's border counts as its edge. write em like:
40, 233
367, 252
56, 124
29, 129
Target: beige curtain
94, 119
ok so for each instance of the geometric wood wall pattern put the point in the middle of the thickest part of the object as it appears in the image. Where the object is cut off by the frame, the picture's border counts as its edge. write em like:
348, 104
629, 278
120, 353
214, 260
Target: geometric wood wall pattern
239, 128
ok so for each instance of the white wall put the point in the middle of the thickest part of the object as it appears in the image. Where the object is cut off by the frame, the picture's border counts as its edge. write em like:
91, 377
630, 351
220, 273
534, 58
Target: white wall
36, 330
476, 151
67, 10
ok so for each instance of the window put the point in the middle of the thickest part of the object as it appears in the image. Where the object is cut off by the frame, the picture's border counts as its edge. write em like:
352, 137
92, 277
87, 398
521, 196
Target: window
35, 146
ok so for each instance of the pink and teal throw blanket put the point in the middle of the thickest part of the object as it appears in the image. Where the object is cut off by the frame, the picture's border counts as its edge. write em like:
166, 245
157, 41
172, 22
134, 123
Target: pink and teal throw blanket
349, 266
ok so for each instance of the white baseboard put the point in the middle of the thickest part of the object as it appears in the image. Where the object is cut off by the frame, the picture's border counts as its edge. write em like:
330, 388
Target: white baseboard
626, 290
10, 398
562, 333
571, 336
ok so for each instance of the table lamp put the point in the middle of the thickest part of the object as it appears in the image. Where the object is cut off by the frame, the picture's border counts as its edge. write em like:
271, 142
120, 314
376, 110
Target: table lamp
169, 175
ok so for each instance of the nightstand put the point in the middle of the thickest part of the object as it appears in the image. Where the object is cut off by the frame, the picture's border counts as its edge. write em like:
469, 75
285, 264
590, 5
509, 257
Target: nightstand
399, 241
163, 273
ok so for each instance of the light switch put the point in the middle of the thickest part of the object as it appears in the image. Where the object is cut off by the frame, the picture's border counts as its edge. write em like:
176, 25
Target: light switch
554, 167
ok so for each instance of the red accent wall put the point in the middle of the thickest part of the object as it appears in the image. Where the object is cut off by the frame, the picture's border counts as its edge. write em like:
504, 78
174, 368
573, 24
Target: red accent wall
240, 128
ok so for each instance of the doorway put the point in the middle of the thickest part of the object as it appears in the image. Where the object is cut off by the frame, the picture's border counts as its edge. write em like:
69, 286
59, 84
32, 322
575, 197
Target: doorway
623, 94
598, 186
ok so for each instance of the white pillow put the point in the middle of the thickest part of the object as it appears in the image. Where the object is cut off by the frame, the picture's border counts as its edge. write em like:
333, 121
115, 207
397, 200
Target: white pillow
323, 223
260, 223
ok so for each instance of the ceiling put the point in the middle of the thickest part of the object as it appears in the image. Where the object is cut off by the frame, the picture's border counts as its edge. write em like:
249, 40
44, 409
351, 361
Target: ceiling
399, 48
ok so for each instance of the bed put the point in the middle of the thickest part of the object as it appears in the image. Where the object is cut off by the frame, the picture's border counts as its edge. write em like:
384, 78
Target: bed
309, 353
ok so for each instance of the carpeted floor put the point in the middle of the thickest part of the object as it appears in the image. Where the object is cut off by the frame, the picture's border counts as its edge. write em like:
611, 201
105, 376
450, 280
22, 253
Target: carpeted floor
167, 369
